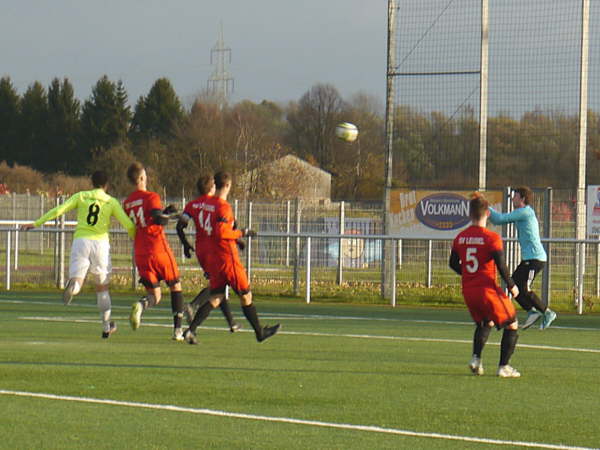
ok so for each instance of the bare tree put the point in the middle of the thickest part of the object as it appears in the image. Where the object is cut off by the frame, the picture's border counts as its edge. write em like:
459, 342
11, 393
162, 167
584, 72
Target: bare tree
313, 120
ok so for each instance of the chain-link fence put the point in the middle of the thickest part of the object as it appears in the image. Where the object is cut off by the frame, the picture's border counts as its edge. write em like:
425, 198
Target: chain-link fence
278, 257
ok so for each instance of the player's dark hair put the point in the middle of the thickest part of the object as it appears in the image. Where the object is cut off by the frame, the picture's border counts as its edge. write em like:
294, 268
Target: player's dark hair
478, 205
134, 171
221, 179
525, 193
205, 184
99, 179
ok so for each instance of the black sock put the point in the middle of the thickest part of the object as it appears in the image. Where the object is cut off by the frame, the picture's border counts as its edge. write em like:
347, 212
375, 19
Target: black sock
177, 308
226, 310
144, 302
202, 296
539, 304
524, 300
507, 346
201, 315
250, 313
482, 332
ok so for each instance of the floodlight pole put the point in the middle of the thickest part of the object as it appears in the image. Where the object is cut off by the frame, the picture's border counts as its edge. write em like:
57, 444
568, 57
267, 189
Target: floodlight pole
483, 95
581, 187
387, 245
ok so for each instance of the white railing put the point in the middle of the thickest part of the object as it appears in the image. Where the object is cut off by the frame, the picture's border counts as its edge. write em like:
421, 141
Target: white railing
13, 237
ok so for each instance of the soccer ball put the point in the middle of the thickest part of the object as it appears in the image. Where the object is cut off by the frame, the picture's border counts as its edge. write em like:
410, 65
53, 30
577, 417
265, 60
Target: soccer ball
346, 131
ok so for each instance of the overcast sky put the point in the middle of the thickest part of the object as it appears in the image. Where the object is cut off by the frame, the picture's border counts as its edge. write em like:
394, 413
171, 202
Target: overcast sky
279, 48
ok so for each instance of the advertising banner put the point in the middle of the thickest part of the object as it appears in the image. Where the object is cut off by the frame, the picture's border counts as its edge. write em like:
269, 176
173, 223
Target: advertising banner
440, 214
593, 210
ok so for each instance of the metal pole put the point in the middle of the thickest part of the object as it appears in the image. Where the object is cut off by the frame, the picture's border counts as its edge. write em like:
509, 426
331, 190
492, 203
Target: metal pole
394, 279
288, 230
16, 246
56, 246
389, 133
546, 274
61, 270
42, 227
342, 221
249, 243
598, 268
27, 217
483, 95
308, 276
297, 252
7, 279
399, 260
134, 275
429, 264
583, 110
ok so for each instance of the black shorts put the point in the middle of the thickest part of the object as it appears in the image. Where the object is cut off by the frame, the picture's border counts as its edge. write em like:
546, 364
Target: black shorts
525, 273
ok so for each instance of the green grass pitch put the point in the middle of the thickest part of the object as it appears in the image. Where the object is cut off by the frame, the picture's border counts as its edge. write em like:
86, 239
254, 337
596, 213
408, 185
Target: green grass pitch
337, 376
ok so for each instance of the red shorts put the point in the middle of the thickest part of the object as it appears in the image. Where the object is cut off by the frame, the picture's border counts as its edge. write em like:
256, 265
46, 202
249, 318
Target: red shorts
227, 270
487, 303
156, 267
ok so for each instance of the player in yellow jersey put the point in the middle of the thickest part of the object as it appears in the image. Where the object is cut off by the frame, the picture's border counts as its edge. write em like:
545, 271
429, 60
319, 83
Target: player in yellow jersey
91, 249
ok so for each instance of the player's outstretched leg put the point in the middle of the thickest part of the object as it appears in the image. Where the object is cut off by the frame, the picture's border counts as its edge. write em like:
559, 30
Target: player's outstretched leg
137, 309
507, 347
549, 317
226, 310
190, 309
71, 289
112, 327
177, 309
480, 337
533, 315
262, 333
189, 335
104, 306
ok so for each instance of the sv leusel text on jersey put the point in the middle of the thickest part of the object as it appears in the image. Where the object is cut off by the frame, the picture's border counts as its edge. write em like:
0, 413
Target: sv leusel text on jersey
471, 240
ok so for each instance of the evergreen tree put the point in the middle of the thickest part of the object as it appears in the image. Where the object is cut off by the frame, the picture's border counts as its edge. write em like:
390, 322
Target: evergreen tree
9, 119
159, 114
63, 152
105, 117
33, 131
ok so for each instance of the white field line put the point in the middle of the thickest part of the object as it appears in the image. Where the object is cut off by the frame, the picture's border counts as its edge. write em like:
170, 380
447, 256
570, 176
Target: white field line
343, 335
297, 316
289, 420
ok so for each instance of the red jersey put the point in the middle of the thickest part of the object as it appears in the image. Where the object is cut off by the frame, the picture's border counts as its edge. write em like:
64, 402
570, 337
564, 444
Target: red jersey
200, 210
222, 232
150, 237
475, 246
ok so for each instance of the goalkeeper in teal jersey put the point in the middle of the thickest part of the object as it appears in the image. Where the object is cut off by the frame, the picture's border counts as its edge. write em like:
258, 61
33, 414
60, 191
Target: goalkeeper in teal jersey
533, 254
91, 249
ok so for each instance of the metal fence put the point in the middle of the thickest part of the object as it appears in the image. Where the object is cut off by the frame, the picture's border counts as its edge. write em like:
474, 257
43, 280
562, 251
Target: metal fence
335, 244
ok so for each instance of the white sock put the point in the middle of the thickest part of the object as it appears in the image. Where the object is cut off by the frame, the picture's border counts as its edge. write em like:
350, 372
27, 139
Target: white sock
76, 287
104, 306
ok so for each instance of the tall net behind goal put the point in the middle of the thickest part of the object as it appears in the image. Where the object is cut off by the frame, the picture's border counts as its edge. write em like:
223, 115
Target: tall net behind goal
533, 93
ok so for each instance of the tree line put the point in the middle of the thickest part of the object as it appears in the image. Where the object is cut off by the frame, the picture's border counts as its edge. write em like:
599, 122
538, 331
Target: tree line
51, 131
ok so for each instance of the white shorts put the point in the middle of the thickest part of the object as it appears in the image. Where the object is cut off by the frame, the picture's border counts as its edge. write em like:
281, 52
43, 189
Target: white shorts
92, 255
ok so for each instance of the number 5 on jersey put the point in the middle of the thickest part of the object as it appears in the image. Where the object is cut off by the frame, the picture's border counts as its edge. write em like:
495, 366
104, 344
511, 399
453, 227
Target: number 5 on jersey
472, 263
